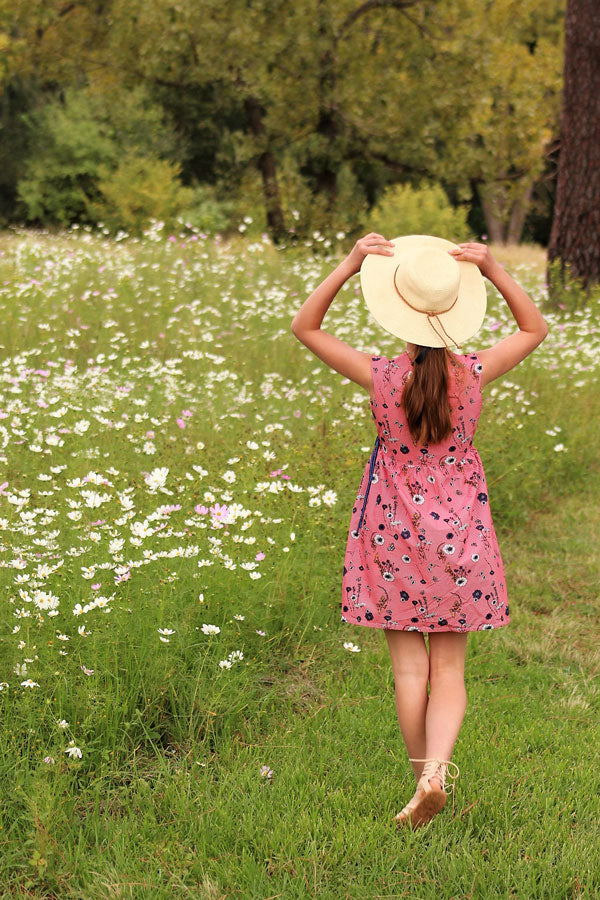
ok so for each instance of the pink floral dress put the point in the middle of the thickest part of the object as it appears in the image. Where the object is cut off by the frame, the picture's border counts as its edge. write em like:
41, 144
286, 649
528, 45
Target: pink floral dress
422, 554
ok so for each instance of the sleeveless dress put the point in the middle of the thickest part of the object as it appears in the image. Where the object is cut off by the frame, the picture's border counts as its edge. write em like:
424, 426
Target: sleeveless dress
422, 553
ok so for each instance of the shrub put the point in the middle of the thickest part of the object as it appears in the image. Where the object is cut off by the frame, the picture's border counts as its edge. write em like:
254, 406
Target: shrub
61, 174
141, 188
307, 212
566, 290
426, 209
206, 213
77, 140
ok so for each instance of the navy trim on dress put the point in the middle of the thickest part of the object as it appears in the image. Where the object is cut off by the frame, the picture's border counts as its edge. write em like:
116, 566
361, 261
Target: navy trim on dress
371, 467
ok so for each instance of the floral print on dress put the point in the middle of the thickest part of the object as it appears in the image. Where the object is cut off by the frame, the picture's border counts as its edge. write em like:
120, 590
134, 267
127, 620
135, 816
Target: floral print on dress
422, 553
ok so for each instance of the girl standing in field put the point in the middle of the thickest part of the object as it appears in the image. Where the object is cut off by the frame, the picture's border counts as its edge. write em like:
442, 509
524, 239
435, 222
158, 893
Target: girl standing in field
422, 555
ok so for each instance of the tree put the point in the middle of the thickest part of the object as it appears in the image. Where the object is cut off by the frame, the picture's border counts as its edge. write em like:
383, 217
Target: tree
494, 91
319, 104
338, 28
575, 235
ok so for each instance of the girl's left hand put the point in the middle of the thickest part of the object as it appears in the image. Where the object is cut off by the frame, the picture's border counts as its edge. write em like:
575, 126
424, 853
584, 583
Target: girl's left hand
370, 243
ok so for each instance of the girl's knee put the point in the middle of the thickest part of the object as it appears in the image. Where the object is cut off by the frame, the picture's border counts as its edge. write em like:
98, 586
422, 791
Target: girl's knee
447, 673
415, 672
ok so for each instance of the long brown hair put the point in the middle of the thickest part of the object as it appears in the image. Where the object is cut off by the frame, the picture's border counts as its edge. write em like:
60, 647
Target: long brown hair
425, 396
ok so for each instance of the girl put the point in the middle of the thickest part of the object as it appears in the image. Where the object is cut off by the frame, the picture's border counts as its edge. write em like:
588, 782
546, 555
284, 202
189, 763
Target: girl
422, 555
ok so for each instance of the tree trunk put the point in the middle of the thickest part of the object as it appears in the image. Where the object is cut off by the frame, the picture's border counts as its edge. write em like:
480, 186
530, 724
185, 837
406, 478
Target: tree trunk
518, 213
493, 221
504, 209
575, 235
267, 167
321, 166
327, 129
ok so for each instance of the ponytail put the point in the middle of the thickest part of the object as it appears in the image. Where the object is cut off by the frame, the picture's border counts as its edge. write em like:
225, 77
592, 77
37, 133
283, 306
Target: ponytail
425, 397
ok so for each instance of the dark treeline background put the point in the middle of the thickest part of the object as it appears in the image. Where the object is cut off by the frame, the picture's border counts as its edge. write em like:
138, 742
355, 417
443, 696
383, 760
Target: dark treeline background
292, 117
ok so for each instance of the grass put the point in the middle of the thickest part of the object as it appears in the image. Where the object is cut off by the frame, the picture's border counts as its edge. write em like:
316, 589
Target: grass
168, 799
514, 255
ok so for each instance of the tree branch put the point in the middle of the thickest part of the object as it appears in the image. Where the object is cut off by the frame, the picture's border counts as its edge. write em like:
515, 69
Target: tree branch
40, 32
394, 164
369, 5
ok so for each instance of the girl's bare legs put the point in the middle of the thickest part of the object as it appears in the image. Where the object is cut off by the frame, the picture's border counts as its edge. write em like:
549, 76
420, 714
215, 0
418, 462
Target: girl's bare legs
410, 664
447, 695
429, 725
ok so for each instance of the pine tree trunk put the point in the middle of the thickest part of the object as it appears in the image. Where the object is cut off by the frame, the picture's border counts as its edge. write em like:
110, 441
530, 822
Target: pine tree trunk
575, 235
267, 167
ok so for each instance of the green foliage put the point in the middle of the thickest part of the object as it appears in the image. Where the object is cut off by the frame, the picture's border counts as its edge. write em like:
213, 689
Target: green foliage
422, 210
141, 188
347, 209
347, 97
83, 139
15, 139
207, 213
304, 212
566, 290
134, 120
71, 150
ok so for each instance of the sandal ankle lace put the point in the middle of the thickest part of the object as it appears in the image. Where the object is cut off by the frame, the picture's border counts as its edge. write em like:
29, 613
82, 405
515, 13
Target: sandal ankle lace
438, 768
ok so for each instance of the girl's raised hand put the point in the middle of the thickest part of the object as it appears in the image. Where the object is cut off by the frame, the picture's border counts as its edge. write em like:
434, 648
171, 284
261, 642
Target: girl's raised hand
476, 253
370, 243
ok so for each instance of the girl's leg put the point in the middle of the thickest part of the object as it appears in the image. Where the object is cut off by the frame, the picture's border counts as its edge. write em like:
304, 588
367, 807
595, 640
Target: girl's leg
447, 696
410, 664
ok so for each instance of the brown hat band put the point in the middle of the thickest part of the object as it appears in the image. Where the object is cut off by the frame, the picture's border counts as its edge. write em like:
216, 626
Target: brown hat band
431, 315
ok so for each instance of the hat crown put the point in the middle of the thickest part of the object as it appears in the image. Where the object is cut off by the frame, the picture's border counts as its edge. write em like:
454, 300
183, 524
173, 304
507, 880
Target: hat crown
429, 278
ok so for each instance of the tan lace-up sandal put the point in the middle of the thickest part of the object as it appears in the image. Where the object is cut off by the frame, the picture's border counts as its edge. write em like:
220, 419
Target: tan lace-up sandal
428, 800
405, 814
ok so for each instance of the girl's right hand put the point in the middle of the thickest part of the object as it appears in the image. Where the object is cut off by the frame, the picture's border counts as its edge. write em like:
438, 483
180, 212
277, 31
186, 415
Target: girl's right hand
479, 254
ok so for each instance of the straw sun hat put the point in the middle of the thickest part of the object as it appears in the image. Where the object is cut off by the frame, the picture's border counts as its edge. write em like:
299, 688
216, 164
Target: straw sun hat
422, 294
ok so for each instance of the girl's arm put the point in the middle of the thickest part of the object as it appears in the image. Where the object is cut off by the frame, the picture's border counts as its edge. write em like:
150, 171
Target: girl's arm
306, 324
506, 354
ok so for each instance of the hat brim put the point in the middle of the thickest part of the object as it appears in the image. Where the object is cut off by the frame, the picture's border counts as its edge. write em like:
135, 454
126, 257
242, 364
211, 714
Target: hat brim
377, 283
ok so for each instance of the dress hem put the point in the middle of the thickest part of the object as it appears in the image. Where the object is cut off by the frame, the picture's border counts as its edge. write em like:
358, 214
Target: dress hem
436, 630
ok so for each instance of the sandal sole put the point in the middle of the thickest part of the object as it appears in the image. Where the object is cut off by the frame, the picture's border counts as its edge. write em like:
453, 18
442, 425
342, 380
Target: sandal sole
429, 806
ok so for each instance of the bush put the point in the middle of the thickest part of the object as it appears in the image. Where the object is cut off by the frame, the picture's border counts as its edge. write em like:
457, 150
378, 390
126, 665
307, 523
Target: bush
79, 140
307, 212
566, 290
141, 188
403, 209
206, 213
61, 174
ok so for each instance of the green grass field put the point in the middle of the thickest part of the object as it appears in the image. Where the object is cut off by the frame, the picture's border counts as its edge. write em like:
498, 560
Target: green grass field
181, 717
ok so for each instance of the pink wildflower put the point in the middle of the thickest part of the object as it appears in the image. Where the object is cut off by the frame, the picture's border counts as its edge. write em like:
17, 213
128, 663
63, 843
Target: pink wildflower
220, 514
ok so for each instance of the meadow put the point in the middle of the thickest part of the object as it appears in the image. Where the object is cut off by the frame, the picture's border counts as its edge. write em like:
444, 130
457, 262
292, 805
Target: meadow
184, 714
